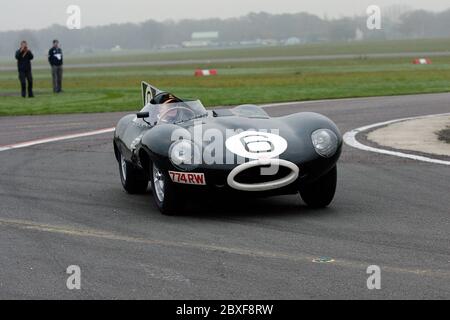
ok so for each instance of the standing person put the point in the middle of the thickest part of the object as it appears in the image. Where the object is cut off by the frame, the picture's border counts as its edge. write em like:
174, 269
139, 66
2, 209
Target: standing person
55, 58
24, 57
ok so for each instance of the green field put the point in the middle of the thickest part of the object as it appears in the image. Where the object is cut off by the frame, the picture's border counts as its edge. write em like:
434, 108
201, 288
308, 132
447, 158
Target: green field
118, 88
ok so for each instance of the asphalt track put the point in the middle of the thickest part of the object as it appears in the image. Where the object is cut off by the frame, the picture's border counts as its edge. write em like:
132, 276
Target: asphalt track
239, 59
62, 204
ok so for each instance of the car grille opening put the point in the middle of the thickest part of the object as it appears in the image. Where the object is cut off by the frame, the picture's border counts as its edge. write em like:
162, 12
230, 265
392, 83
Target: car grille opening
254, 175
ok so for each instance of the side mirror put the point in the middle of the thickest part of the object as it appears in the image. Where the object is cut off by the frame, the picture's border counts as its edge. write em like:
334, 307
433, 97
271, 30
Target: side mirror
142, 115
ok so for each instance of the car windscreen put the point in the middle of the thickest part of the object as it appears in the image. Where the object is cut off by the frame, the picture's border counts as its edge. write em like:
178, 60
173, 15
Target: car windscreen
174, 113
250, 111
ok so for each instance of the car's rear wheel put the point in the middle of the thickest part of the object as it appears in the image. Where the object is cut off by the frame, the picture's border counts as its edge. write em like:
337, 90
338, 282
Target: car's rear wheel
166, 197
134, 180
320, 193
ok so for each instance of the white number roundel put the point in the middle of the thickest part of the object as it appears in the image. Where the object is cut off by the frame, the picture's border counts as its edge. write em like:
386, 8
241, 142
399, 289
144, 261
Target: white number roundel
256, 145
148, 95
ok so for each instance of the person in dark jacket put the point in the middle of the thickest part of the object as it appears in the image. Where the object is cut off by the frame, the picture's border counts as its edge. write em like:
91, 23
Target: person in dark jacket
24, 57
55, 58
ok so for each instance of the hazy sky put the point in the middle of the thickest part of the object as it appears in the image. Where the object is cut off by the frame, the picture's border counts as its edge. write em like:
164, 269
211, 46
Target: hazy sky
31, 14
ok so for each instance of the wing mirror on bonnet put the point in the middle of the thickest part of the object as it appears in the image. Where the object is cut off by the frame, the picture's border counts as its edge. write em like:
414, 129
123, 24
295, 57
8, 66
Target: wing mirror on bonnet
142, 115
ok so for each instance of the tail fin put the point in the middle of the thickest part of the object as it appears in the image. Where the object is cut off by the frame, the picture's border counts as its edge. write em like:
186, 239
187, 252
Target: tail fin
148, 92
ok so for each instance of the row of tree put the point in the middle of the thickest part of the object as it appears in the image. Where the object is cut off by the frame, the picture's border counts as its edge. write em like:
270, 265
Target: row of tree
308, 28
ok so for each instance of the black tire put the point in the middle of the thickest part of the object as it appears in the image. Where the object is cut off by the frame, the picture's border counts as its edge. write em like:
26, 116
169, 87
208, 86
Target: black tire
171, 202
320, 193
134, 180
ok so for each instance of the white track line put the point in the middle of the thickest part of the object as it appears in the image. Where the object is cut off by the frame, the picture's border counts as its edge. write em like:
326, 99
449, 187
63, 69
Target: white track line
55, 139
350, 139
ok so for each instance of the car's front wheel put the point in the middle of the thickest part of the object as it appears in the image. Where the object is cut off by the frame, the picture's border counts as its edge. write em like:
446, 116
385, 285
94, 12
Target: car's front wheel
168, 201
134, 180
320, 193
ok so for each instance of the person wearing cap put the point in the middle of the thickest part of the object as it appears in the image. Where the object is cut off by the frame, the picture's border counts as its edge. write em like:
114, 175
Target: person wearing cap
55, 58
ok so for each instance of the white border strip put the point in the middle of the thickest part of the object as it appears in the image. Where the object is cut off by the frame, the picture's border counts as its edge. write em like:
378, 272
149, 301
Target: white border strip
350, 139
54, 139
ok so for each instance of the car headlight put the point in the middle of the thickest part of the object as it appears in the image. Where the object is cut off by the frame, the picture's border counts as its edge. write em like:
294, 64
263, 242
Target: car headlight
184, 154
325, 142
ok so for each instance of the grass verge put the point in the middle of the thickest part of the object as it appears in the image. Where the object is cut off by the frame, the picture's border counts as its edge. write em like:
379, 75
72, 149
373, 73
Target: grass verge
118, 89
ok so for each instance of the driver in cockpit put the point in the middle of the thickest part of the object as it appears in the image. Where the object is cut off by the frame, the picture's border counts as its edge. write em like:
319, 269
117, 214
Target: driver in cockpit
163, 100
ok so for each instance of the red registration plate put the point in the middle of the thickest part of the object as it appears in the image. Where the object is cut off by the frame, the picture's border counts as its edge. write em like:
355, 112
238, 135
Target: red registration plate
188, 178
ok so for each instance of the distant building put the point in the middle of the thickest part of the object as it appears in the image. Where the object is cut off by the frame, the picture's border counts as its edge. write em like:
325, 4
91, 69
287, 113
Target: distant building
205, 36
269, 42
292, 41
359, 35
202, 39
250, 42
116, 48
169, 47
